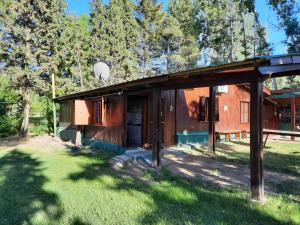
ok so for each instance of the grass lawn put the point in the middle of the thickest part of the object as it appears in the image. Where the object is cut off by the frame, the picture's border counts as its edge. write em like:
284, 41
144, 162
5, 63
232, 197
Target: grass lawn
51, 186
279, 156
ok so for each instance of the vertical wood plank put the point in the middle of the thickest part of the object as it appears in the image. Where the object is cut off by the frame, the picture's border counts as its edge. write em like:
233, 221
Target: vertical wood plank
293, 116
156, 128
256, 141
124, 124
211, 119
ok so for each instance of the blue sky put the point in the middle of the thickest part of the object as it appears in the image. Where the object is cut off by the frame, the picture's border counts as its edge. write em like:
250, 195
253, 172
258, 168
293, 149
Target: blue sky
266, 15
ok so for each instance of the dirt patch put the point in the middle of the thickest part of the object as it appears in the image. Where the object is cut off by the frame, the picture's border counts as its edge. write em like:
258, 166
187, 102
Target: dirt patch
44, 142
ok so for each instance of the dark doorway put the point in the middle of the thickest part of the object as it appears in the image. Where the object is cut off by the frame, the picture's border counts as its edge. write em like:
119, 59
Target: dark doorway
136, 121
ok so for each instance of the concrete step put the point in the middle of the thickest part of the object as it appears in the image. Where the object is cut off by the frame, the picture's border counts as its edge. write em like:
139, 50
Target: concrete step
118, 161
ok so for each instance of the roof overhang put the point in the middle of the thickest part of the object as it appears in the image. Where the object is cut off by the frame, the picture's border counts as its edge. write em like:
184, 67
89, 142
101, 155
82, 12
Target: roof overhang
227, 74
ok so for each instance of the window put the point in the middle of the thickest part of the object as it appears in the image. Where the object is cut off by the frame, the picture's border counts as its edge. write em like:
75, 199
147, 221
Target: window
98, 112
65, 112
203, 101
245, 112
203, 109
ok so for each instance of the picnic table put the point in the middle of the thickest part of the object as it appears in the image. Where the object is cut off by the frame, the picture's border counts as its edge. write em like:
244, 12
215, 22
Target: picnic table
279, 132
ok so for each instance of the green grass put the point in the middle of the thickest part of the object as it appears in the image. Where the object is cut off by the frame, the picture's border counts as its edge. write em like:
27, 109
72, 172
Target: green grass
53, 186
279, 156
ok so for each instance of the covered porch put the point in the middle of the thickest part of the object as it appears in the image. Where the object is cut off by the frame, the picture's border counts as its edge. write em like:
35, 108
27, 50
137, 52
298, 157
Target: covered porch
250, 72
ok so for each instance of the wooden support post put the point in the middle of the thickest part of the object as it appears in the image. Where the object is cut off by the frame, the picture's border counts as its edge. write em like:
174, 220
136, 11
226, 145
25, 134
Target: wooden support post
256, 141
293, 116
211, 118
156, 128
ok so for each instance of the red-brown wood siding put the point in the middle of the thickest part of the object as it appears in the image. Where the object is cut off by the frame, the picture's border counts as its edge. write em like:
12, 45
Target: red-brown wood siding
112, 132
187, 110
270, 116
230, 118
169, 137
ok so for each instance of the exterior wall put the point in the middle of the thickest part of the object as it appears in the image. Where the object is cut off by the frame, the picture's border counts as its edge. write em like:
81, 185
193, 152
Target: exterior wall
230, 119
270, 116
113, 130
187, 110
180, 116
168, 122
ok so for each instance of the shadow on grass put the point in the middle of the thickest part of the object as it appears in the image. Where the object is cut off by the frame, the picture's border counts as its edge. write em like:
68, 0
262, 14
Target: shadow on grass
22, 197
175, 200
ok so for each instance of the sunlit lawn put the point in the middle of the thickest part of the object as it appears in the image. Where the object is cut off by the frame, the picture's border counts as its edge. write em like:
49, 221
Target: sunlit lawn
56, 187
279, 156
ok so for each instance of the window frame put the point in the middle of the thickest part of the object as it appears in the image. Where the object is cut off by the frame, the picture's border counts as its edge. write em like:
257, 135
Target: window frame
98, 111
243, 112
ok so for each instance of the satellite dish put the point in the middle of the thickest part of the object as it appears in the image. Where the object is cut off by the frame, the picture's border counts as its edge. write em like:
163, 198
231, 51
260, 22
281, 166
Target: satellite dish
101, 71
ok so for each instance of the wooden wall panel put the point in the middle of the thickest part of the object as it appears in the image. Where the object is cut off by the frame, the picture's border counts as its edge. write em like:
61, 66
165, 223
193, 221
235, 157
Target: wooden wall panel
187, 110
112, 132
169, 133
83, 112
270, 116
230, 118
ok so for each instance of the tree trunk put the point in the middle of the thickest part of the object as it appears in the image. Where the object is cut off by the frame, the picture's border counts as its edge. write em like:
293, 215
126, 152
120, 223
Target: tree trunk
25, 122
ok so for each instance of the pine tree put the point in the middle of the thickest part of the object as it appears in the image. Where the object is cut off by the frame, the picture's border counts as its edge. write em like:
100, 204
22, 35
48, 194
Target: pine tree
171, 40
229, 30
149, 17
75, 56
30, 30
131, 29
99, 25
184, 12
117, 33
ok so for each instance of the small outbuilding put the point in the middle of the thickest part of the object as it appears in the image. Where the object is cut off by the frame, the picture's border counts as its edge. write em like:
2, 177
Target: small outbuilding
195, 106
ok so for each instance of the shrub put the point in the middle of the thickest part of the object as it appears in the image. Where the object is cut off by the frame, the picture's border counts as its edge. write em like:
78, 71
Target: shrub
8, 126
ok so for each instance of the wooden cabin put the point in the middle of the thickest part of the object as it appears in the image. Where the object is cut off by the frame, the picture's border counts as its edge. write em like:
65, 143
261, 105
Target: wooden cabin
118, 121
155, 111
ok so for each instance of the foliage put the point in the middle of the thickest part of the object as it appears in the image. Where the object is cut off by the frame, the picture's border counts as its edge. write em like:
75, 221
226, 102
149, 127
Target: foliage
41, 115
9, 117
288, 13
8, 125
29, 35
185, 13
76, 66
221, 38
150, 17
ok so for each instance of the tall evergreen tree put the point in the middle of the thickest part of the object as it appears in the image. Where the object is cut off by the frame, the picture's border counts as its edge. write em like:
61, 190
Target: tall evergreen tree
229, 30
131, 28
99, 26
29, 32
171, 40
149, 17
184, 12
115, 29
76, 54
